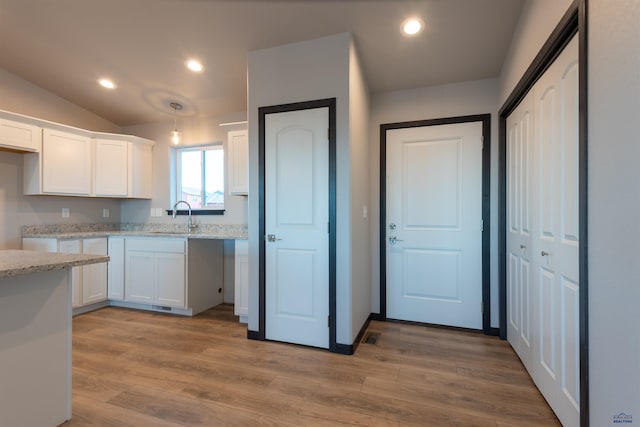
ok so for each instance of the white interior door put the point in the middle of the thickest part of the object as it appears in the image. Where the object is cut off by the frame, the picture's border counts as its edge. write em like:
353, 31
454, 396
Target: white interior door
556, 236
434, 224
297, 227
543, 194
519, 227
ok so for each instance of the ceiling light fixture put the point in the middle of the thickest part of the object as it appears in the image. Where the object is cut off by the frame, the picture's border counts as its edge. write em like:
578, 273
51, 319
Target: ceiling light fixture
175, 134
412, 27
194, 66
106, 83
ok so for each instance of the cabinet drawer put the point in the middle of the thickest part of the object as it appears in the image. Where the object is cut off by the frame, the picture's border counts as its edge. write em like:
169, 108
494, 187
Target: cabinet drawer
153, 244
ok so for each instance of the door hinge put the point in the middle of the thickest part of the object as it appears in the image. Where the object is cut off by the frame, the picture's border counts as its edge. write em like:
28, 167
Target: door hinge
328, 133
482, 225
329, 227
482, 307
328, 321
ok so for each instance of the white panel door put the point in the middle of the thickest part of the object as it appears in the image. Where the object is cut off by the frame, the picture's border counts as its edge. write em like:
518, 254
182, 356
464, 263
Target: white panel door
434, 224
519, 228
555, 237
297, 220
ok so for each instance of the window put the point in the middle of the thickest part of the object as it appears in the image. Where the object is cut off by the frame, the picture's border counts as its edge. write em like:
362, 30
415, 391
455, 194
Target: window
200, 177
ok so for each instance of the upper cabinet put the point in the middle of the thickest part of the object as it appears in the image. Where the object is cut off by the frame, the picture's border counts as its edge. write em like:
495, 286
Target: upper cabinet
238, 162
67, 161
17, 136
111, 168
140, 160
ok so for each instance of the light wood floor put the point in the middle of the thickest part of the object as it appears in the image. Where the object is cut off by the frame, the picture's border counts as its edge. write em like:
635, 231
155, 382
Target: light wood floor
134, 368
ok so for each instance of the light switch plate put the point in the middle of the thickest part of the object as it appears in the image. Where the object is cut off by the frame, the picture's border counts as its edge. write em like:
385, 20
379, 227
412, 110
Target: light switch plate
105, 213
65, 212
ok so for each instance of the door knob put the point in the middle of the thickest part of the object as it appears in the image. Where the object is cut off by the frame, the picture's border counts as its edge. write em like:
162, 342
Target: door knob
523, 246
394, 239
272, 238
544, 253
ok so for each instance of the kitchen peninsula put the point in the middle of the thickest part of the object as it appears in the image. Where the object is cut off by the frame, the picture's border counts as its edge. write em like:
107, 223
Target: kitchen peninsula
35, 336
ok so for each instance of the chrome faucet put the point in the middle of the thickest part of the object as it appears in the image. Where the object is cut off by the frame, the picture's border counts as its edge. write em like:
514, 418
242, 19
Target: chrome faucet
190, 225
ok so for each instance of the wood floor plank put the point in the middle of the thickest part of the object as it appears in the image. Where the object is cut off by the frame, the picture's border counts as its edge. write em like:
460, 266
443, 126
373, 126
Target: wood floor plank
152, 369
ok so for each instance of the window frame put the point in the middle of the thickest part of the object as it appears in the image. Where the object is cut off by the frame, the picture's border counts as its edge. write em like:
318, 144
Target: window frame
176, 179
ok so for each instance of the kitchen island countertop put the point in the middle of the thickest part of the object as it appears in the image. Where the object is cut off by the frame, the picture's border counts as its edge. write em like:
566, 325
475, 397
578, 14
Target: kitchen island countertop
15, 262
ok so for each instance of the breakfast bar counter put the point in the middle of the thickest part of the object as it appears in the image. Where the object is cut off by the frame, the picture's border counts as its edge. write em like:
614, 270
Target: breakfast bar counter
35, 336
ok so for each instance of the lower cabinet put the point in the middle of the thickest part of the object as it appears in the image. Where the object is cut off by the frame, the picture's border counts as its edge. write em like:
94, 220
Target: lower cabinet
241, 294
155, 271
89, 282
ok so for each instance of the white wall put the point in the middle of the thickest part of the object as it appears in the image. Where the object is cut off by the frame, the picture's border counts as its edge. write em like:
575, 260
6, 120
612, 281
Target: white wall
19, 96
537, 20
459, 99
614, 210
305, 71
360, 182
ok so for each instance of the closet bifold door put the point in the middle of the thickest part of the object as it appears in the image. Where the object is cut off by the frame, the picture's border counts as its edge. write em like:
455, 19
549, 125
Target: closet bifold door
542, 234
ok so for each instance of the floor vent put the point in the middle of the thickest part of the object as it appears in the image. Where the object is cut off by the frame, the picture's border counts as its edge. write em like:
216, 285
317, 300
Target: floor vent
371, 337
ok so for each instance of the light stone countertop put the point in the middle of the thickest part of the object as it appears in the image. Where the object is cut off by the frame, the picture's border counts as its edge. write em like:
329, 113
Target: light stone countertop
82, 231
15, 262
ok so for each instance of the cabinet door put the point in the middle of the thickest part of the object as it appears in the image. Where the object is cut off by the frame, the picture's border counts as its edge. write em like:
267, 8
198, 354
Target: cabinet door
115, 269
238, 162
140, 277
73, 247
20, 136
66, 163
170, 276
111, 168
241, 295
140, 169
94, 276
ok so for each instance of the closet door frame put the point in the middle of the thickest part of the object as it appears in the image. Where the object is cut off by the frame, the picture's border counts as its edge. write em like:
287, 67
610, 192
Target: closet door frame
573, 22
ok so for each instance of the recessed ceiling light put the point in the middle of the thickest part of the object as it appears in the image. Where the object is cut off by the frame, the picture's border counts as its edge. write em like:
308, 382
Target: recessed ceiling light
412, 27
106, 83
194, 66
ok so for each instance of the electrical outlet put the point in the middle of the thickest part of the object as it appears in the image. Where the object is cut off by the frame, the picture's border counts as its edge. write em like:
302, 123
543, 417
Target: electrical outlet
65, 212
105, 213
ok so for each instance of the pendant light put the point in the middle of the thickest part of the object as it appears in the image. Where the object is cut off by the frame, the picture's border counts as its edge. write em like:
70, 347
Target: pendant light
175, 134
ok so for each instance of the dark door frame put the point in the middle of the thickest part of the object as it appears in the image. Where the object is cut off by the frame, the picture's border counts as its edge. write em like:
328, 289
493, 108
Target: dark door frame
573, 22
485, 119
262, 112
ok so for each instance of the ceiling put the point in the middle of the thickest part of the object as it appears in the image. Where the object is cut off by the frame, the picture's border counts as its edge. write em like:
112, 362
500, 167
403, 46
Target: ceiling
64, 46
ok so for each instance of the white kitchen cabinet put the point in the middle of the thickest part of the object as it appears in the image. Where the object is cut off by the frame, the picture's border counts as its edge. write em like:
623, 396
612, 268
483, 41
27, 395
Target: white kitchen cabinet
170, 279
17, 136
155, 271
88, 283
73, 247
238, 162
241, 294
94, 276
139, 184
111, 168
65, 163
115, 269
